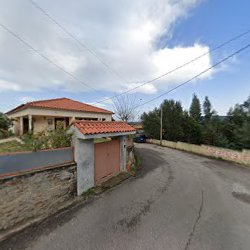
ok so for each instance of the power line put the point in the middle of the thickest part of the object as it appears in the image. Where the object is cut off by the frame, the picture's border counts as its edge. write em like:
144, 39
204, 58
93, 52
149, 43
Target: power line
20, 39
196, 76
84, 46
179, 67
116, 73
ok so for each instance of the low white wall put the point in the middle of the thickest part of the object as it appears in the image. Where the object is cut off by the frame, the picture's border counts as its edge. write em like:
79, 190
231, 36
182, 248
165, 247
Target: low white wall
242, 157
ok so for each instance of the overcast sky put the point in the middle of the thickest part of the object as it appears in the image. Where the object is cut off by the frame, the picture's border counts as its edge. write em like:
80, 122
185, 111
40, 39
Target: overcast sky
138, 40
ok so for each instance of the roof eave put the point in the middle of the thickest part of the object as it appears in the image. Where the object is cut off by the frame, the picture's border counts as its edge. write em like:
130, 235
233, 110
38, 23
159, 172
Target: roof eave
101, 135
25, 106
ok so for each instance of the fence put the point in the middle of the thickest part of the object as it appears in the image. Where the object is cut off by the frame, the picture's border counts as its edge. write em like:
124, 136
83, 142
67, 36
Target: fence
242, 157
24, 161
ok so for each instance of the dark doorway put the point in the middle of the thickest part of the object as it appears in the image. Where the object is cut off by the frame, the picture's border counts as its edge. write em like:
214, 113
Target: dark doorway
67, 121
60, 123
25, 125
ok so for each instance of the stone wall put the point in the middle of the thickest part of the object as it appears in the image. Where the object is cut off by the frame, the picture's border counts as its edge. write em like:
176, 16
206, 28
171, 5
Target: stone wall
35, 195
242, 157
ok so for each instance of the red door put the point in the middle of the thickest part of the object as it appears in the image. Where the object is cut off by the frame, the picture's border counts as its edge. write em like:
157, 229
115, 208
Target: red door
107, 160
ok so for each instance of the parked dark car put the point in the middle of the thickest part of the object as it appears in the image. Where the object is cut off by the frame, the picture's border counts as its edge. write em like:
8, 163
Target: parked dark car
140, 138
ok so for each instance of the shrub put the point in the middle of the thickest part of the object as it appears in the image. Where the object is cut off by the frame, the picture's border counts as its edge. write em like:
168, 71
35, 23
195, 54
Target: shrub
5, 133
45, 140
36, 142
5, 122
59, 138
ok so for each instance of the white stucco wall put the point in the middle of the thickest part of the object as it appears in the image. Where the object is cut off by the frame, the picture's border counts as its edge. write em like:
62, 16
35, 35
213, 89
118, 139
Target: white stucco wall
40, 123
15, 128
40, 118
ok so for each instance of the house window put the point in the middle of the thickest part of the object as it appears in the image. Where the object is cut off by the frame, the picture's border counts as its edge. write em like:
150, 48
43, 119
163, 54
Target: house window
50, 121
103, 119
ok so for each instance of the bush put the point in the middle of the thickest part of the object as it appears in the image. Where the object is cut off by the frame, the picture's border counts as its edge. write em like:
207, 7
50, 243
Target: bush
5, 133
59, 138
45, 140
36, 142
5, 122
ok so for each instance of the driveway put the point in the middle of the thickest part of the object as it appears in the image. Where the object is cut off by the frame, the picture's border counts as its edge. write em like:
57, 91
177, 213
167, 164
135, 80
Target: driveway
177, 201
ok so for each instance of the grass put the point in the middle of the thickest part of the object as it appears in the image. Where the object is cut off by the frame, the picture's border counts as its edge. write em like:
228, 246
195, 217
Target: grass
12, 146
136, 165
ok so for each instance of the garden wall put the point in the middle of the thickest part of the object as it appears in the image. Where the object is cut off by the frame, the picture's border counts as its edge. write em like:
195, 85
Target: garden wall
11, 163
242, 157
33, 196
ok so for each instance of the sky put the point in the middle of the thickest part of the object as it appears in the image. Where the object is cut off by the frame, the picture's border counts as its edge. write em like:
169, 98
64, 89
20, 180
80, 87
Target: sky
123, 44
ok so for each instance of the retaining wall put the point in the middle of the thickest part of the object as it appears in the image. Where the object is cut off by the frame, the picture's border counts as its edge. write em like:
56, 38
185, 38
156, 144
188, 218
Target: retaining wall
34, 196
10, 163
242, 157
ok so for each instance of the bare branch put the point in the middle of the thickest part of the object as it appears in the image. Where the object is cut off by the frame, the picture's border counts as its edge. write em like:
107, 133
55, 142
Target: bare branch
124, 107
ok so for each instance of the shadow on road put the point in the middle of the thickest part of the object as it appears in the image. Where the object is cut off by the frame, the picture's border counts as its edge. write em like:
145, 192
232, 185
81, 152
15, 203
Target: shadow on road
149, 162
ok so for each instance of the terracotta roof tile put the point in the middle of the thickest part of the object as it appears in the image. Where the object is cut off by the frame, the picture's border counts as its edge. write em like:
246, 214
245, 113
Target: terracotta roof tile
95, 127
62, 104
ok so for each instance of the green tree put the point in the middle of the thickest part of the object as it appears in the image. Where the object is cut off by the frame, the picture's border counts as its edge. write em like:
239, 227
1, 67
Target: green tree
191, 129
237, 126
207, 109
151, 123
172, 120
4, 122
232, 131
212, 132
246, 106
212, 126
195, 109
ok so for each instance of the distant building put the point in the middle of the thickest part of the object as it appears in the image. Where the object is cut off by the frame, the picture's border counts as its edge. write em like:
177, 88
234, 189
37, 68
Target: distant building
138, 126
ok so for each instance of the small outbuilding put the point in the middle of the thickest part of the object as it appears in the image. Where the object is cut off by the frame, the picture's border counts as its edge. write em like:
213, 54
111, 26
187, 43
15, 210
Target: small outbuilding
100, 150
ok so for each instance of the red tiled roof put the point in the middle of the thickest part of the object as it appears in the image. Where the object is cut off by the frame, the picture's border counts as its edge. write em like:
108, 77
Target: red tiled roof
95, 127
63, 104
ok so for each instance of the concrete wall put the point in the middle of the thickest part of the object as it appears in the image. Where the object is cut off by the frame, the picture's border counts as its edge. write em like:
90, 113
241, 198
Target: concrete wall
40, 123
35, 195
84, 157
130, 157
242, 157
123, 155
15, 128
11, 163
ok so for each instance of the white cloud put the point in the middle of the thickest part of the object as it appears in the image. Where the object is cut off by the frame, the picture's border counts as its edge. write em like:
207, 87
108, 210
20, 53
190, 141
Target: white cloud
167, 59
25, 99
9, 86
142, 88
123, 33
105, 103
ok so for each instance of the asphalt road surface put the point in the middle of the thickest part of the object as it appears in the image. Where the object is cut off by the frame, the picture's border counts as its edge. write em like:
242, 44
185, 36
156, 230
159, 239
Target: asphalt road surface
177, 201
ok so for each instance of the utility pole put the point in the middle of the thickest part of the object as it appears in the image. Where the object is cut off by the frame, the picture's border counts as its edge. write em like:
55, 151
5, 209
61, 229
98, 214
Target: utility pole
161, 128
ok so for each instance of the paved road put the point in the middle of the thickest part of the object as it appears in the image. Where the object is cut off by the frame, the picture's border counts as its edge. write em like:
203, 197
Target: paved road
177, 201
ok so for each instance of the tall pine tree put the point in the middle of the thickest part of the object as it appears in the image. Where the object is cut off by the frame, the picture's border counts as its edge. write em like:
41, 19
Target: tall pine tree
195, 109
207, 109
